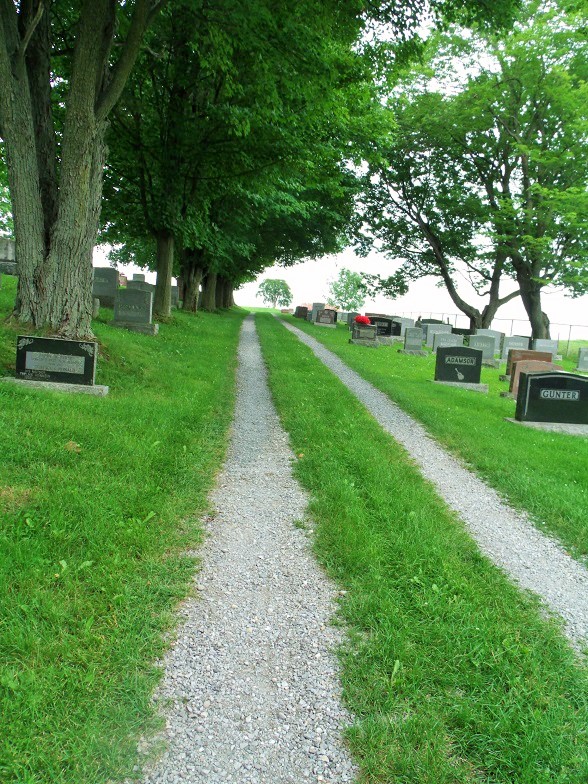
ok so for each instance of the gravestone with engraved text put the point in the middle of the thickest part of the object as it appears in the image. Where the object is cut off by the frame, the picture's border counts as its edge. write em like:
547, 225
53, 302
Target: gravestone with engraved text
552, 397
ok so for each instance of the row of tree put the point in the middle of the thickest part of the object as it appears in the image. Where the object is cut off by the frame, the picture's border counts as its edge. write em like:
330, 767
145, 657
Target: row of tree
226, 136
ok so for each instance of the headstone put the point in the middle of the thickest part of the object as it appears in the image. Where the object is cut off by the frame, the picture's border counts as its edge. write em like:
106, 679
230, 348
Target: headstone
55, 360
105, 285
8, 264
528, 366
364, 335
134, 310
316, 306
139, 276
546, 345
515, 355
583, 360
122, 279
140, 285
492, 333
405, 323
301, 312
384, 326
516, 341
552, 397
95, 307
342, 316
446, 339
175, 296
458, 364
431, 321
325, 318
372, 316
351, 317
432, 330
413, 341
485, 343
463, 331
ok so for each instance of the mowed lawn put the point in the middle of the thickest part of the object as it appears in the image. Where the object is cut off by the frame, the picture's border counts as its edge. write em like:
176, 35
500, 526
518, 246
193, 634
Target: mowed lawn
453, 675
544, 473
99, 498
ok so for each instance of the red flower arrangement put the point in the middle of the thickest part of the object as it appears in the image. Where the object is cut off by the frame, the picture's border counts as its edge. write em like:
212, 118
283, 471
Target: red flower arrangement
362, 320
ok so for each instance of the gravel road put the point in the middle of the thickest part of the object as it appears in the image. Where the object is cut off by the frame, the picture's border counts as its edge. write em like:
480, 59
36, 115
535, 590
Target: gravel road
251, 692
533, 560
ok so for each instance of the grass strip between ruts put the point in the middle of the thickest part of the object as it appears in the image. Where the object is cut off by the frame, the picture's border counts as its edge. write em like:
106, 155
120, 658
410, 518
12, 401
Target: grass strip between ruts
544, 473
99, 498
452, 673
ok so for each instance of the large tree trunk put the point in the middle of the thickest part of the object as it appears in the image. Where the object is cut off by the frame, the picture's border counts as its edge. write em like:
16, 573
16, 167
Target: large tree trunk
192, 272
165, 264
530, 290
56, 214
209, 292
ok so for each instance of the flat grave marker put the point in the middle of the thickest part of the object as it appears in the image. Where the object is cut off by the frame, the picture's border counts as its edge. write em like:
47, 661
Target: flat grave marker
552, 397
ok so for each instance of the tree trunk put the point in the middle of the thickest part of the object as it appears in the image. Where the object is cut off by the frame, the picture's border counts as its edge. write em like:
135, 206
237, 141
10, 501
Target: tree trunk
531, 298
56, 214
209, 292
165, 264
192, 276
222, 285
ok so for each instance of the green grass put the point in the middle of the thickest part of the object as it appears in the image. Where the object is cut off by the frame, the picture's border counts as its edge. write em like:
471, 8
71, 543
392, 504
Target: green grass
452, 673
543, 473
99, 497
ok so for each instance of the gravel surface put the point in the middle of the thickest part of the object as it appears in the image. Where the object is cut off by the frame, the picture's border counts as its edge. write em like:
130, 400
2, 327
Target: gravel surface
251, 690
533, 560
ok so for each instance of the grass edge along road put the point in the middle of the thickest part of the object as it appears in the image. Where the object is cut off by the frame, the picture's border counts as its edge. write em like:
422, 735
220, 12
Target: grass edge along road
540, 472
452, 673
99, 499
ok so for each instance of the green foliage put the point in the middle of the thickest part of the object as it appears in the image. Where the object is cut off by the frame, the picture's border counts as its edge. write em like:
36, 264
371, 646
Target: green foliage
452, 674
94, 571
348, 291
6, 223
275, 292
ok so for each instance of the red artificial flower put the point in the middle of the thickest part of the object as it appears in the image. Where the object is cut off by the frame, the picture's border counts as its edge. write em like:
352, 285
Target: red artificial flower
362, 320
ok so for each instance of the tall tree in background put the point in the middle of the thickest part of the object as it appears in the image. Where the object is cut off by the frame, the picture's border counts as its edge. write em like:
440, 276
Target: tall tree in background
62, 68
348, 291
275, 292
493, 174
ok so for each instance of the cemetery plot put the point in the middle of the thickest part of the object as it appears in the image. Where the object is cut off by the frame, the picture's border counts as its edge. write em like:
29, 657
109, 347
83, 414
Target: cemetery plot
552, 397
55, 360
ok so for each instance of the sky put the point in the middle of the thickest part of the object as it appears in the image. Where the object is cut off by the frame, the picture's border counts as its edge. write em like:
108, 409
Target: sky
309, 282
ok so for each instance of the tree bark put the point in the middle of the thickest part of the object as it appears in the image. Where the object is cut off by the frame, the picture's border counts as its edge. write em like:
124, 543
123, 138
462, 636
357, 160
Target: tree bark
209, 292
192, 272
56, 213
165, 264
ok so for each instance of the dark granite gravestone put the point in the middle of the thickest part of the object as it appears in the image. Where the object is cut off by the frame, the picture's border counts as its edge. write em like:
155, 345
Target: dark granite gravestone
583, 360
351, 317
446, 339
515, 341
552, 397
175, 296
484, 343
55, 360
139, 276
364, 335
463, 331
384, 326
105, 285
325, 318
433, 329
458, 364
133, 309
515, 355
528, 366
301, 312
